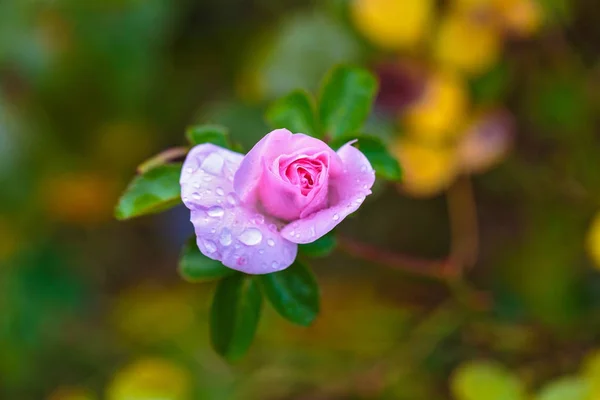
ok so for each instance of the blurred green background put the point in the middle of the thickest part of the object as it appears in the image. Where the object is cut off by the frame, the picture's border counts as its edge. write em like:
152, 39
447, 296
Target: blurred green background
491, 107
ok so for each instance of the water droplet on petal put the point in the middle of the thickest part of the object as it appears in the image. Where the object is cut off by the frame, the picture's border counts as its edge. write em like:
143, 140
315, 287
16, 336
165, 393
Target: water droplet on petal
196, 196
273, 227
232, 199
220, 191
241, 260
207, 178
259, 219
209, 245
274, 265
225, 237
297, 235
363, 168
271, 242
189, 170
292, 232
336, 217
213, 230
215, 212
261, 251
251, 237
208, 191
213, 164
312, 232
365, 187
196, 185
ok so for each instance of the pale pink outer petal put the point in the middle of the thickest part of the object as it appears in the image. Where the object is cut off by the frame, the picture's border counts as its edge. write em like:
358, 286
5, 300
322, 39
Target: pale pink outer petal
226, 229
347, 192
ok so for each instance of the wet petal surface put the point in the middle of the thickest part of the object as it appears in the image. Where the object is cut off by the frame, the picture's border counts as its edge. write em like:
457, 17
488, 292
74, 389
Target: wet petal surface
226, 229
347, 192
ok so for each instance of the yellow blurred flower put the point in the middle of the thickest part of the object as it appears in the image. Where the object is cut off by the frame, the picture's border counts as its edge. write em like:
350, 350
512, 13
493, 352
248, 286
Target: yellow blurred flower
71, 393
591, 365
427, 169
440, 112
150, 379
467, 42
393, 24
520, 17
141, 312
593, 245
486, 142
84, 198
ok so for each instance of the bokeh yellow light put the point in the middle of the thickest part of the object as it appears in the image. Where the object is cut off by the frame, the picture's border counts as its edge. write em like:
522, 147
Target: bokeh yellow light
393, 24
440, 112
466, 43
84, 198
593, 241
428, 170
149, 379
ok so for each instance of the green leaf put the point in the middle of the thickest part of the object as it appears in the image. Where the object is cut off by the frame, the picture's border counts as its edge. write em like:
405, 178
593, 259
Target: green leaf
154, 191
376, 152
196, 267
491, 87
234, 315
215, 134
321, 247
346, 98
486, 380
294, 112
566, 388
294, 293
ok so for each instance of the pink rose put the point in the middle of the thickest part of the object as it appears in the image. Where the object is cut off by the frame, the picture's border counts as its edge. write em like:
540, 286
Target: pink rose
251, 212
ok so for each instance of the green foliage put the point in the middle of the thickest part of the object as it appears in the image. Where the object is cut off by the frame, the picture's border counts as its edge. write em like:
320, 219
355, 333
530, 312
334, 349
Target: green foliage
559, 102
492, 86
293, 61
151, 192
294, 293
214, 134
234, 315
321, 247
486, 380
295, 112
376, 152
567, 388
196, 267
345, 101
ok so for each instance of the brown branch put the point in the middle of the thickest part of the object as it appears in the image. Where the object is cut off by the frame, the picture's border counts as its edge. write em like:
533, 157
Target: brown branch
162, 158
464, 230
435, 269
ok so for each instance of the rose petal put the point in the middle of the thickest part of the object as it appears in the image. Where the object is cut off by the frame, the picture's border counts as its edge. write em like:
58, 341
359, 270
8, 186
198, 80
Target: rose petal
285, 200
347, 192
280, 141
226, 229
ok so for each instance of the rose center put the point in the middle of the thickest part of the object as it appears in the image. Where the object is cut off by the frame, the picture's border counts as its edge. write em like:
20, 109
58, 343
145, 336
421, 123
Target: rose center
304, 174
